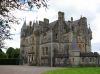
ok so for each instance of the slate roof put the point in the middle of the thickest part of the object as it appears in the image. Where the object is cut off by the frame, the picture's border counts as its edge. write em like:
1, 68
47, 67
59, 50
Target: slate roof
51, 25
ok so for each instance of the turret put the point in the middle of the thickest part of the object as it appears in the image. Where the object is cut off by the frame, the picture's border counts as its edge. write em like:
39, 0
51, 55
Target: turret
61, 16
30, 23
89, 30
90, 33
83, 21
24, 25
23, 29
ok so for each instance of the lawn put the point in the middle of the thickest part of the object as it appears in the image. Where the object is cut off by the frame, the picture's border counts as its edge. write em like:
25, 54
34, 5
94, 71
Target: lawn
83, 70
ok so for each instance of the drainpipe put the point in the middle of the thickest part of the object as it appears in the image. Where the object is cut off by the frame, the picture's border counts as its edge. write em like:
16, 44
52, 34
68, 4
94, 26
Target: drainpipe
51, 48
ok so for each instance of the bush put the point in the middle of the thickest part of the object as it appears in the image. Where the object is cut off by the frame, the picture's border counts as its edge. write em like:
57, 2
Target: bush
2, 54
88, 65
12, 61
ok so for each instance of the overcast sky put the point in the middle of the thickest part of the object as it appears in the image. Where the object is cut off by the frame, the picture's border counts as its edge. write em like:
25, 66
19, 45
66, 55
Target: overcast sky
71, 8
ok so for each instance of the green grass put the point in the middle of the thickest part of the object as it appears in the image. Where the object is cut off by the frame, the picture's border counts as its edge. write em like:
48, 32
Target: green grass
83, 70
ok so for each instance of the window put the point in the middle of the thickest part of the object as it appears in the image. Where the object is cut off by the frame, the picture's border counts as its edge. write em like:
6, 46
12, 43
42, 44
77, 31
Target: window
65, 29
72, 28
82, 59
79, 46
73, 59
90, 59
45, 50
56, 36
44, 35
32, 38
83, 45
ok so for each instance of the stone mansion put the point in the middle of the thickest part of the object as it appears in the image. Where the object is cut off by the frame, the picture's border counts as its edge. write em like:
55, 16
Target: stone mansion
59, 43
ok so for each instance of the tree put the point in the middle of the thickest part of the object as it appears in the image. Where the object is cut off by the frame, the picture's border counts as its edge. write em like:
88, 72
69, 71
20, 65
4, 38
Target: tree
2, 54
4, 32
1, 43
10, 52
6, 6
13, 53
16, 53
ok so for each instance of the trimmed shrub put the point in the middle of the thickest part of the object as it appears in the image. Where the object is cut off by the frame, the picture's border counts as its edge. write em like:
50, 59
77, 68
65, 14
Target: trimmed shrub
12, 61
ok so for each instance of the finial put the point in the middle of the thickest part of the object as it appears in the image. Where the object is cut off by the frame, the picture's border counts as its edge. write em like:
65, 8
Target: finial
24, 24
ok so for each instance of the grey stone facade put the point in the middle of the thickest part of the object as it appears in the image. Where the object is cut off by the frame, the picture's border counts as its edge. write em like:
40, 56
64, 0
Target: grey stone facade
59, 43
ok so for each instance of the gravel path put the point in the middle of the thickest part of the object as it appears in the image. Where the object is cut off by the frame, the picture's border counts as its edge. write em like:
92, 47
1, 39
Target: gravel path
14, 69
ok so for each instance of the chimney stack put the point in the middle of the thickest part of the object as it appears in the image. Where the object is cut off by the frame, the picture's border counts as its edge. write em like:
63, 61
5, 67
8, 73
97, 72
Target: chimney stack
71, 19
46, 21
61, 15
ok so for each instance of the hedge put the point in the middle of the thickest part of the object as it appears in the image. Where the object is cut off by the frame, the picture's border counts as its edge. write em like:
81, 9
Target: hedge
12, 61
